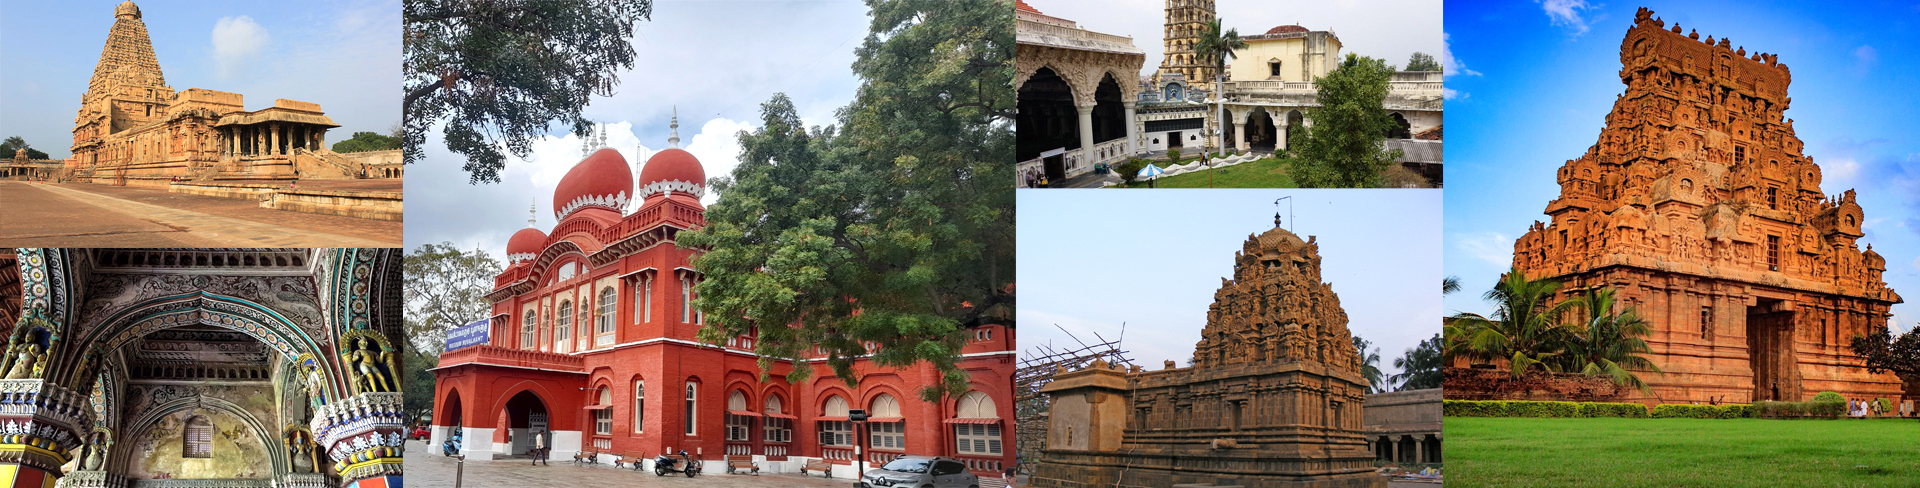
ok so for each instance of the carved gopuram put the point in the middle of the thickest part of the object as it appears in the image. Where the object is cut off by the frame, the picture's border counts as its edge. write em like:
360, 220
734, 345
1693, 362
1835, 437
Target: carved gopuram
134, 129
1274, 398
190, 368
1698, 206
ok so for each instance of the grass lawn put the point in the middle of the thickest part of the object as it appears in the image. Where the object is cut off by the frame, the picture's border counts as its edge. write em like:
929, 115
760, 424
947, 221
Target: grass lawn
1681, 452
1269, 172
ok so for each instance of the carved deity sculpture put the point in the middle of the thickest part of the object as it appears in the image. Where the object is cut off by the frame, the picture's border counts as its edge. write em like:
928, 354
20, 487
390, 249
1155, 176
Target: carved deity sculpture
27, 362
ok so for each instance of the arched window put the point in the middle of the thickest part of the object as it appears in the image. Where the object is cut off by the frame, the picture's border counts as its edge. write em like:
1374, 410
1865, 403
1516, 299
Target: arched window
643, 301
686, 300
739, 419
526, 329
1273, 68
693, 394
603, 414
603, 328
976, 425
778, 428
563, 328
835, 430
884, 424
197, 441
639, 405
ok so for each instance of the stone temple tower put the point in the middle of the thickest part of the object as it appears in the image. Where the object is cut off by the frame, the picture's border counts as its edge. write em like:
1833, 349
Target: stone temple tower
1186, 20
127, 88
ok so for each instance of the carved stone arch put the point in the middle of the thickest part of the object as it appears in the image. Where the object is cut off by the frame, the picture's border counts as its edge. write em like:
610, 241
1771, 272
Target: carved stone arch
366, 293
240, 315
1129, 85
118, 459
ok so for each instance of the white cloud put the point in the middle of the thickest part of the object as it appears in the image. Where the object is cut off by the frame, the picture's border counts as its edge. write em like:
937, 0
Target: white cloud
1839, 174
237, 40
1566, 13
1450, 65
1916, 263
1492, 247
717, 146
1452, 94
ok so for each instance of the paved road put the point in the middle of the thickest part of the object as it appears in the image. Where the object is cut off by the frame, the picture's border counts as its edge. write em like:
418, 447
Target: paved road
426, 470
87, 215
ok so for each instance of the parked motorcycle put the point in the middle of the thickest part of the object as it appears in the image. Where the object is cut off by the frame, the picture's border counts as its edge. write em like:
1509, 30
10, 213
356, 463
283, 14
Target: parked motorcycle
452, 446
667, 464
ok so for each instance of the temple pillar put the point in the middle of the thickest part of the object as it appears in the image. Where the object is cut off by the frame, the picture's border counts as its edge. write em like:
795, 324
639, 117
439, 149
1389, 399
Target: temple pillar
1086, 133
45, 421
1133, 133
1240, 130
273, 139
364, 433
1280, 132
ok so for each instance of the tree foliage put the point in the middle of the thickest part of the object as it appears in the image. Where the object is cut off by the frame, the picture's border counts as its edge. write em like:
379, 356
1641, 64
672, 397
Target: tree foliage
1422, 62
892, 230
1525, 329
1885, 353
16, 143
1610, 342
417, 386
1216, 46
1420, 367
1345, 146
1370, 366
446, 288
497, 73
367, 141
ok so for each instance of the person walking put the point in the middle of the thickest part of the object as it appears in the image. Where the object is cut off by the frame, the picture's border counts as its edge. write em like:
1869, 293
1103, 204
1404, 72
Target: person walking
542, 444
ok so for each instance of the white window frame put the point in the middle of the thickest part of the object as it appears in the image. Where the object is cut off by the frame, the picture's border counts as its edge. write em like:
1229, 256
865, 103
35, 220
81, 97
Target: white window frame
836, 433
686, 300
196, 440
603, 421
737, 427
603, 328
563, 326
527, 323
977, 439
891, 436
693, 408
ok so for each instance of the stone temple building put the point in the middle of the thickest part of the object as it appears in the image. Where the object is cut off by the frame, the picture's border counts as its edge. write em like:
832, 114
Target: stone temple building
1699, 207
1077, 89
134, 129
1186, 21
1274, 397
593, 338
191, 368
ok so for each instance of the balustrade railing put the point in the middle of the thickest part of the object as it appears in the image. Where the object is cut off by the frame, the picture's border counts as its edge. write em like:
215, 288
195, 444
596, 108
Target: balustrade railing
981, 464
775, 452
739, 449
837, 455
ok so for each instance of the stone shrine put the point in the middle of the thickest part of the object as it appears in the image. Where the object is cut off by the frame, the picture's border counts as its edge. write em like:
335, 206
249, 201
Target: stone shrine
1699, 207
1274, 397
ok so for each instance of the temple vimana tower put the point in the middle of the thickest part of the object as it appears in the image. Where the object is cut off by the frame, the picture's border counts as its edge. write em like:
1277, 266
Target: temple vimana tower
1186, 20
1699, 207
134, 129
1274, 396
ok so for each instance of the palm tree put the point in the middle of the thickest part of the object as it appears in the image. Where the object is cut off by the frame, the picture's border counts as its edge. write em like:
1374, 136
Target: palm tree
1525, 328
1420, 367
1370, 366
1610, 343
1449, 285
1216, 45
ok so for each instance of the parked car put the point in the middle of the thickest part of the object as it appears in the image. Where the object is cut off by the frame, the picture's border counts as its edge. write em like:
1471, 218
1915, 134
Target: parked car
921, 472
420, 433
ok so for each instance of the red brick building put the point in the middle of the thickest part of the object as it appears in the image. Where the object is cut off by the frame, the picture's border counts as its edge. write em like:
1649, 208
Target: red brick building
593, 338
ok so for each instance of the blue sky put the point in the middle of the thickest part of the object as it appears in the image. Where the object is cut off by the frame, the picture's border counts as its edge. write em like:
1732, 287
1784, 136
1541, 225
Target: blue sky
715, 61
1092, 259
344, 55
1531, 83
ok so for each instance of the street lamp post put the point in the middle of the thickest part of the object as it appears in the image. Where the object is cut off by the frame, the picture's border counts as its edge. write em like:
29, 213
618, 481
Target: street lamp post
859, 418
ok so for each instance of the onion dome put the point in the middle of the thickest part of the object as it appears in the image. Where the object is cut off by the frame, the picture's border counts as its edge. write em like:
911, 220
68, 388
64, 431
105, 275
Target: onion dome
525, 245
127, 10
670, 171
1287, 29
602, 180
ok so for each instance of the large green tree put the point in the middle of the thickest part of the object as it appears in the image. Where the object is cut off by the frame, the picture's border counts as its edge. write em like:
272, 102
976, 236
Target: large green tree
1345, 146
16, 143
367, 141
446, 288
1609, 342
891, 234
1420, 367
1422, 62
1884, 352
495, 74
1525, 329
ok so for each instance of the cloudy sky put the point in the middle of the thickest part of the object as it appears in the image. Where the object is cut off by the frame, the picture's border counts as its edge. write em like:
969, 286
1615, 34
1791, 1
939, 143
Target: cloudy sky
334, 53
1092, 260
1533, 82
1388, 29
715, 61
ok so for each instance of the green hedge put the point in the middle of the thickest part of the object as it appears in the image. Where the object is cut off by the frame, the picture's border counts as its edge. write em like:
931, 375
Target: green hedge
1684, 411
1515, 408
1815, 408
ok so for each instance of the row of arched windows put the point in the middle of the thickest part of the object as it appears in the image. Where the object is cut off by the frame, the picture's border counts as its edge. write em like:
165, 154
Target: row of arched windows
605, 316
976, 429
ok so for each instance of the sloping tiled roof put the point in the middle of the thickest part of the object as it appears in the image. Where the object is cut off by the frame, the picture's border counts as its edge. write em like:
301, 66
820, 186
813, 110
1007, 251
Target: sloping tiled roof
1022, 5
1287, 29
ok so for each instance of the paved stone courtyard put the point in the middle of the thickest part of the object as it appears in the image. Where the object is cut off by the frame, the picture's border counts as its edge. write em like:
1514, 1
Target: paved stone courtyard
86, 215
430, 470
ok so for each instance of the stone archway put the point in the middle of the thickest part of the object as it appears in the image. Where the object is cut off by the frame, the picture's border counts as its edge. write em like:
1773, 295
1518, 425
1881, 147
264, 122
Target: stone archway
203, 308
1046, 119
1262, 134
524, 413
1401, 128
119, 460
